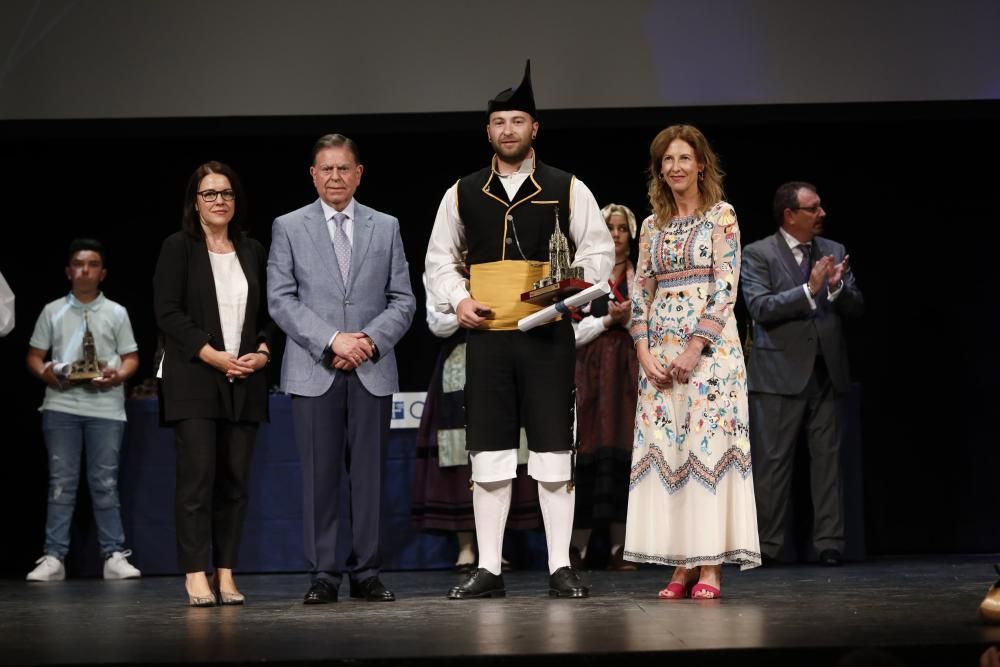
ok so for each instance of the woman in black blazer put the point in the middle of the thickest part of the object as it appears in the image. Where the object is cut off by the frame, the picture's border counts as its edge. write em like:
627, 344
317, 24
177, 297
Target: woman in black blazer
211, 306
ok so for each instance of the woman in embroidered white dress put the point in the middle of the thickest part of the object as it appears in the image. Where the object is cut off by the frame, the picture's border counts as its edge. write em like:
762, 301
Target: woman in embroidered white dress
691, 501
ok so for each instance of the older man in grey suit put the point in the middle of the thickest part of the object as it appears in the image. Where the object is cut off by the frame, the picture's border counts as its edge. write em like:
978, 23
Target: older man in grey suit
798, 287
339, 286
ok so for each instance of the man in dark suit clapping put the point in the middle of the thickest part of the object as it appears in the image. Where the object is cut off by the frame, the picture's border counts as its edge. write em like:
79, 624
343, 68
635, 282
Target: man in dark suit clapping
798, 287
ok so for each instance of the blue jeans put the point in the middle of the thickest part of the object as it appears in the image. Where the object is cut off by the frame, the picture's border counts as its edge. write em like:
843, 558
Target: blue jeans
66, 438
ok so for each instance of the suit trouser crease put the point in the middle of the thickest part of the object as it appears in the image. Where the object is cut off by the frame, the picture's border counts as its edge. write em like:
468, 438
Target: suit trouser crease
214, 458
344, 429
776, 424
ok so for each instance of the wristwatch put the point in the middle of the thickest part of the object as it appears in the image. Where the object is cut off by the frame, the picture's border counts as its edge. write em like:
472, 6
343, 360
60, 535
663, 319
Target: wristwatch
373, 346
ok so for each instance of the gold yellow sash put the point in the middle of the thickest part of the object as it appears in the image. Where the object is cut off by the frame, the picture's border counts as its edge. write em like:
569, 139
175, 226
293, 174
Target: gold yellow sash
499, 285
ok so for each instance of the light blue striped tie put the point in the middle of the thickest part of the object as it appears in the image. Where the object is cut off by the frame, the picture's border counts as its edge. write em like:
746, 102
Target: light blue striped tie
342, 246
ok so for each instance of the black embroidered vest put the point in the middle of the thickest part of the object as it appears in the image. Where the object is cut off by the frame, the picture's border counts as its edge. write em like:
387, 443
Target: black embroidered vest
497, 228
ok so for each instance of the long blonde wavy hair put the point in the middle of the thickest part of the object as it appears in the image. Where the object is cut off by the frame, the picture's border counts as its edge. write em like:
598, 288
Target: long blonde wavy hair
661, 199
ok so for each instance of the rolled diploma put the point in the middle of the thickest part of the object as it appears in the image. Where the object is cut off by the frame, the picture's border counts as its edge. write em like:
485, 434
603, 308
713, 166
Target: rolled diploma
562, 307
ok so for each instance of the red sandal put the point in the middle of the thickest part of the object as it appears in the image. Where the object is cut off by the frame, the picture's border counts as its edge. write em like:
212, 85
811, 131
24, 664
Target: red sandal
713, 592
675, 590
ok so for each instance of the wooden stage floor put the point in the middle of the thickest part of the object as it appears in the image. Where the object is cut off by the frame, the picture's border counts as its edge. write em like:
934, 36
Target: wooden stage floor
921, 610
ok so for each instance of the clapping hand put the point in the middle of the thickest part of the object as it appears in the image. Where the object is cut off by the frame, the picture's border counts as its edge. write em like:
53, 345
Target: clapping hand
819, 274
837, 272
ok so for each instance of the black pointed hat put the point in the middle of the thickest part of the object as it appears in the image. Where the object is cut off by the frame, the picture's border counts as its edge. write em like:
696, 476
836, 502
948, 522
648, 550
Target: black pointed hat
520, 98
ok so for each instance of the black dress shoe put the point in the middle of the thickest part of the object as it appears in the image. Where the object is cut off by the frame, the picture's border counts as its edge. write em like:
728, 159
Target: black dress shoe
464, 568
480, 584
830, 557
321, 592
372, 590
567, 583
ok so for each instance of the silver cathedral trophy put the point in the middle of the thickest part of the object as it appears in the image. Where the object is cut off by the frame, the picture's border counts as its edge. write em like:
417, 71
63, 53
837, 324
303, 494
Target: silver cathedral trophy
563, 280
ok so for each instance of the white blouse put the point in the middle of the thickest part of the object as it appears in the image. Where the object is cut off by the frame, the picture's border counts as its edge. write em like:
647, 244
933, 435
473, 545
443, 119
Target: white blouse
231, 293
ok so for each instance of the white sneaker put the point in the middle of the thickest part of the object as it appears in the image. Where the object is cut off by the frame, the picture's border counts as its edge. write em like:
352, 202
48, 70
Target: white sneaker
48, 568
117, 566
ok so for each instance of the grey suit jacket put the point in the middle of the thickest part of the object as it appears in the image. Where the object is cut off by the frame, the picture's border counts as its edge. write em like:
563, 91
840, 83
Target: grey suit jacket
786, 330
307, 297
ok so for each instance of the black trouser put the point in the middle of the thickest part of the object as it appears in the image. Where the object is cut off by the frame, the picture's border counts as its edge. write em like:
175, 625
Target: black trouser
213, 473
515, 379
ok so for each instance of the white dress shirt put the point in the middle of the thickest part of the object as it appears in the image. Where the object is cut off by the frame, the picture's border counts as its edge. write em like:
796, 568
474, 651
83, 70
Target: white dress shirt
441, 325
329, 212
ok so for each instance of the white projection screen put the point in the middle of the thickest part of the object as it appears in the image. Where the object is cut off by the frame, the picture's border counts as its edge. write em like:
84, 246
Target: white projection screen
66, 59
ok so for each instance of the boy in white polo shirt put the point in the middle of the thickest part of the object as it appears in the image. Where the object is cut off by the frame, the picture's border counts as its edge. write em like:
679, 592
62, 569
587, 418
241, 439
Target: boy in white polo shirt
83, 415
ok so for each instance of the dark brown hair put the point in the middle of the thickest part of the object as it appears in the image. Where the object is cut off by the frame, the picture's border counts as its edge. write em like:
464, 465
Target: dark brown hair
191, 223
787, 196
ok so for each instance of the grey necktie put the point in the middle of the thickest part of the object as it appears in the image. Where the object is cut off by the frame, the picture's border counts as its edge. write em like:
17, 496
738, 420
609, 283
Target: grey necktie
804, 263
342, 246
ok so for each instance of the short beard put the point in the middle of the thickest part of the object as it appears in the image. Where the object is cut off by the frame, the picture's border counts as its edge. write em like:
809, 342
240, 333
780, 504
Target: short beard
515, 158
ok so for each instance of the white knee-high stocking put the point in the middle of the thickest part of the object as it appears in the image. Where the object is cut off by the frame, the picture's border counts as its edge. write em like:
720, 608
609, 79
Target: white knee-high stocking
557, 503
491, 502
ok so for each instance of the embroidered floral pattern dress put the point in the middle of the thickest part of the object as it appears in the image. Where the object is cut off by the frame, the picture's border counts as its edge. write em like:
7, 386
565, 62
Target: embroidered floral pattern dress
691, 499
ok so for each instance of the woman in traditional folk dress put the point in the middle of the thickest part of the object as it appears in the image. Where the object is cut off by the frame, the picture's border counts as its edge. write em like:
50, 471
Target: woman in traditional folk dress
607, 374
691, 501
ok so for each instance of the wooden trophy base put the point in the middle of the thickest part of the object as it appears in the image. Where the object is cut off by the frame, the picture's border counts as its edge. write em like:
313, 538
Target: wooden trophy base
84, 376
550, 294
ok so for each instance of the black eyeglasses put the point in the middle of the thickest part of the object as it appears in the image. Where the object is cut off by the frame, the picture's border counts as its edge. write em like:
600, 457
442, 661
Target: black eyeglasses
814, 209
212, 195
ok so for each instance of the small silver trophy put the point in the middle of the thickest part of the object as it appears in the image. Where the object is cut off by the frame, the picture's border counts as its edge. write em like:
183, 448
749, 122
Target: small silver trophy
563, 279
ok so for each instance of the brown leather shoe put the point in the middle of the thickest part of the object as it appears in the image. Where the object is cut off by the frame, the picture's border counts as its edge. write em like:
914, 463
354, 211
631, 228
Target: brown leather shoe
989, 608
617, 562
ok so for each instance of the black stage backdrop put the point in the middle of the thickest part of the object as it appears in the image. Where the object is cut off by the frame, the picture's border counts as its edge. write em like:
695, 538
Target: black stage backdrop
908, 188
